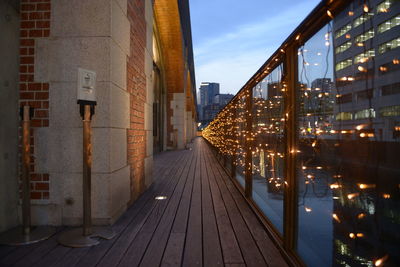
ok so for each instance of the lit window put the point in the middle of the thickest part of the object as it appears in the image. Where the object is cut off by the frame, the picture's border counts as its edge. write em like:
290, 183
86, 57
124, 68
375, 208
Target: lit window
343, 30
384, 6
365, 114
344, 64
363, 57
344, 116
385, 47
387, 25
390, 111
361, 19
343, 47
365, 36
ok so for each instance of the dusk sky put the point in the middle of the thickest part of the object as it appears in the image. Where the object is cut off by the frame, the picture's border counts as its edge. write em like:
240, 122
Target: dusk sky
233, 38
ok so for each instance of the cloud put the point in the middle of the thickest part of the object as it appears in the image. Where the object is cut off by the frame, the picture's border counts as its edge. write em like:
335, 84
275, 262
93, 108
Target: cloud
232, 58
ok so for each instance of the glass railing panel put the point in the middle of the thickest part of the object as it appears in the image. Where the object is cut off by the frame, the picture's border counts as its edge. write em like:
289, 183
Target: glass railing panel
268, 146
349, 137
240, 136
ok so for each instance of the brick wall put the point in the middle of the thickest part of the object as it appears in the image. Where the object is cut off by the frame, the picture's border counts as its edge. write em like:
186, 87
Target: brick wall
35, 23
136, 84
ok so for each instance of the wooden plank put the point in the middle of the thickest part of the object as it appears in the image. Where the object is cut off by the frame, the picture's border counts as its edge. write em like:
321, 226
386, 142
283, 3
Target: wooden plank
193, 252
154, 252
74, 256
123, 245
117, 246
268, 248
250, 251
211, 241
173, 251
148, 247
230, 247
38, 253
53, 256
5, 250
16, 254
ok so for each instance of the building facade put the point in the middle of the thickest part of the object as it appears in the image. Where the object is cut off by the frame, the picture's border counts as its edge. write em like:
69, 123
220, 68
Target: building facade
141, 52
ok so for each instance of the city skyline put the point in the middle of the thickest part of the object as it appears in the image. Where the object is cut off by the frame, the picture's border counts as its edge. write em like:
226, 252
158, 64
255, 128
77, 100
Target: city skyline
229, 47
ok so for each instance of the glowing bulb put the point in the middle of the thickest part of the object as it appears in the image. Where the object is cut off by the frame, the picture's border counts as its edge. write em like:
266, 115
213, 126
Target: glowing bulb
366, 186
334, 186
361, 216
366, 8
308, 209
352, 235
386, 196
361, 68
379, 262
334, 215
329, 14
353, 195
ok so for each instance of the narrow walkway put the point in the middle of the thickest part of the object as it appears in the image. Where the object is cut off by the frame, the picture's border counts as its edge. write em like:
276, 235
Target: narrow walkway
204, 221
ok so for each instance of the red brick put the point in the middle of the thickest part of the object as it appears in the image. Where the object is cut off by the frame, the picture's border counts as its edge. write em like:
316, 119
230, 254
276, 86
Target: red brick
23, 51
36, 177
24, 16
42, 186
30, 68
36, 195
43, 24
43, 7
41, 95
45, 177
35, 33
23, 69
45, 104
41, 113
46, 15
45, 86
46, 195
26, 78
35, 15
27, 24
31, 51
34, 86
36, 123
26, 95
46, 33
23, 33
22, 87
27, 7
27, 42
45, 123
26, 60
35, 104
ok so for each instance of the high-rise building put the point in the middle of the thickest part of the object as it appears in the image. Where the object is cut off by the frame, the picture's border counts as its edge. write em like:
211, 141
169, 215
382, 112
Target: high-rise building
367, 67
222, 99
207, 92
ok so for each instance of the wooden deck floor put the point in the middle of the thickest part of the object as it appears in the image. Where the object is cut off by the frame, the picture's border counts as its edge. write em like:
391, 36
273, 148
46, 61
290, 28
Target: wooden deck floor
203, 222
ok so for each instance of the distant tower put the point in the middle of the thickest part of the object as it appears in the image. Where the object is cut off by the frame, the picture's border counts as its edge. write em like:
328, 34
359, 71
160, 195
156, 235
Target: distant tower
207, 92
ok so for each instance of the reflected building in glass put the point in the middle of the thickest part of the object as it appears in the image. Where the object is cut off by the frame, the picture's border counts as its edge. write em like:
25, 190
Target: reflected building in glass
366, 40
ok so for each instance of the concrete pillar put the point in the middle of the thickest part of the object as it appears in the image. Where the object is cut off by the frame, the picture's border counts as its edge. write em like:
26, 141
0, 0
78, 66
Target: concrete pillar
92, 34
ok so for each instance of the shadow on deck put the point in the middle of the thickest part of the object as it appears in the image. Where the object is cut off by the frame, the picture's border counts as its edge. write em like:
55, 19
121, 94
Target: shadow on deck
204, 221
